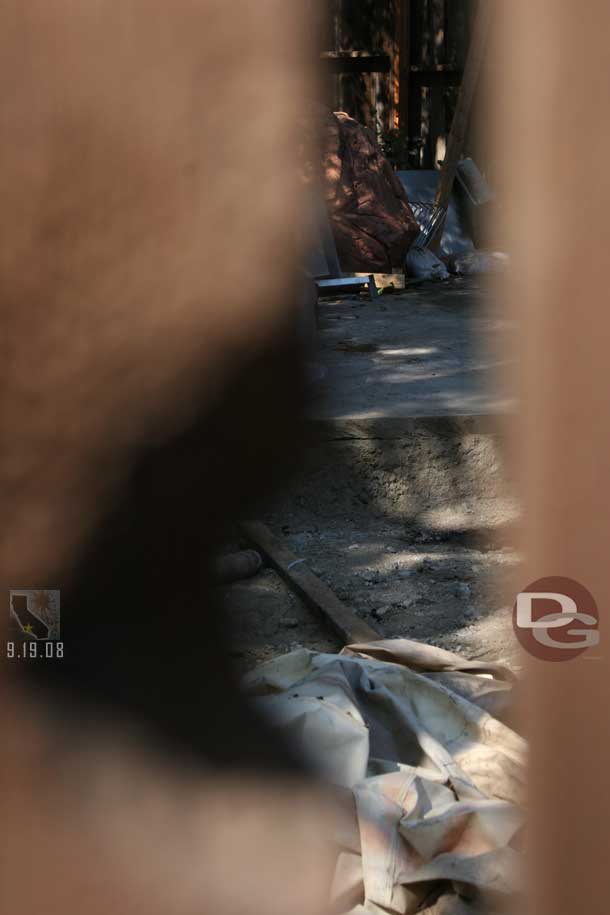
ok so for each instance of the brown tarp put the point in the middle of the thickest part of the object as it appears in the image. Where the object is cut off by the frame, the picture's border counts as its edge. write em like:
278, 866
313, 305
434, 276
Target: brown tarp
370, 216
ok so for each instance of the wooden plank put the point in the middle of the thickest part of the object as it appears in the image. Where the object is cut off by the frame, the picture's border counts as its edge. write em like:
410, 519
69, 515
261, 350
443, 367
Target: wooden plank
314, 592
455, 143
404, 52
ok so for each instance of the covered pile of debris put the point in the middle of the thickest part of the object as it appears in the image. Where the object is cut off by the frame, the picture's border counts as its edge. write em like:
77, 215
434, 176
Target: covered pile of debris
371, 220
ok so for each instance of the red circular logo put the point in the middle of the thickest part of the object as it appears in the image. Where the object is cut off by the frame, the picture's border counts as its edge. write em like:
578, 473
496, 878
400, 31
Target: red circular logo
556, 619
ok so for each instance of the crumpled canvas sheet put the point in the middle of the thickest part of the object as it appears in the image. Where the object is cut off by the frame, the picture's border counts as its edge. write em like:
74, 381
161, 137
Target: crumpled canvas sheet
414, 732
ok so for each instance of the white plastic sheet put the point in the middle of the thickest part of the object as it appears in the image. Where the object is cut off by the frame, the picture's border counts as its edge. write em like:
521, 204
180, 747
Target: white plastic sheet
437, 780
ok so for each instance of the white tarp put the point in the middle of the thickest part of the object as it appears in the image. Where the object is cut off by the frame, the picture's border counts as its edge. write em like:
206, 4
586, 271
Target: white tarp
437, 779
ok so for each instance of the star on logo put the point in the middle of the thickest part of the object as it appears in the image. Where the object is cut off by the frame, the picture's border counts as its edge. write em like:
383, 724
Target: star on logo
28, 628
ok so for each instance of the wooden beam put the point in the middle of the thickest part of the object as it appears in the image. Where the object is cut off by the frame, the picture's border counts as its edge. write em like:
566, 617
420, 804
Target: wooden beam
405, 63
455, 143
314, 592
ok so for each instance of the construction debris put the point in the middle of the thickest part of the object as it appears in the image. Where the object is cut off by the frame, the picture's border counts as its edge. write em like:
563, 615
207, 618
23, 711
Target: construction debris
420, 187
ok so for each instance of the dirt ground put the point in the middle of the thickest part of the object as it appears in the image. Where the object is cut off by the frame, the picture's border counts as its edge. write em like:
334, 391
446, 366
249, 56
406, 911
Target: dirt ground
443, 593
410, 520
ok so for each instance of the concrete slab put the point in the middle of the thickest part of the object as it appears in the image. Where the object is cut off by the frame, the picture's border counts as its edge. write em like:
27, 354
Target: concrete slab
436, 350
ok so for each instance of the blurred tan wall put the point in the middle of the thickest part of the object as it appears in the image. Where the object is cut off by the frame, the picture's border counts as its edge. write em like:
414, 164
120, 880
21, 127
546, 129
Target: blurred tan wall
553, 127
147, 147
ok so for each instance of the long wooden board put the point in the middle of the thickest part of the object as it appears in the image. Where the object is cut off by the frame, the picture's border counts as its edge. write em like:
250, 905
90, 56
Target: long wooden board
302, 580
